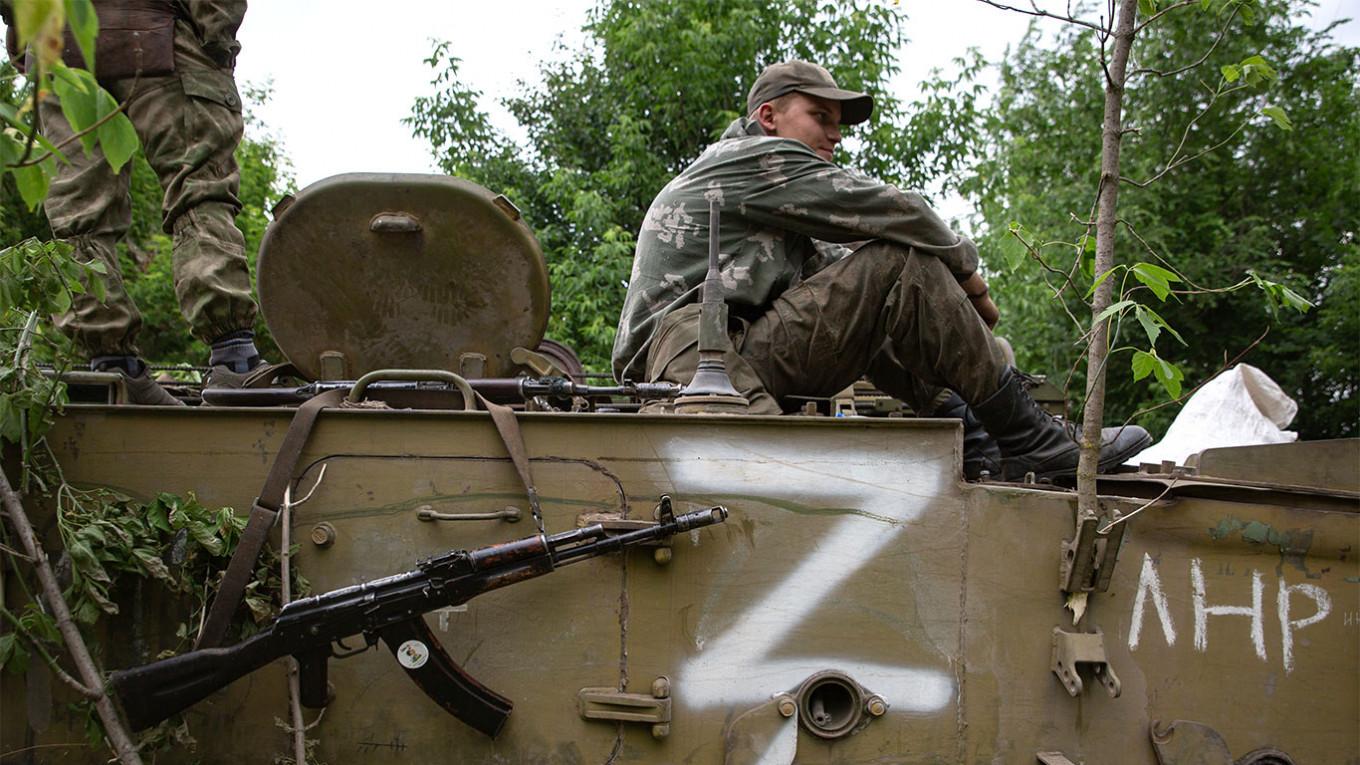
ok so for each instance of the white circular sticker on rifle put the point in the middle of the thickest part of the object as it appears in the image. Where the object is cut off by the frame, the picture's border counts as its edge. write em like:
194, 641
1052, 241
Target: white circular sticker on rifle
413, 654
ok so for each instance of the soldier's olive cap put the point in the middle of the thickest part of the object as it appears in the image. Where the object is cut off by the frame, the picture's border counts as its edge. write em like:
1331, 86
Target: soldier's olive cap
805, 77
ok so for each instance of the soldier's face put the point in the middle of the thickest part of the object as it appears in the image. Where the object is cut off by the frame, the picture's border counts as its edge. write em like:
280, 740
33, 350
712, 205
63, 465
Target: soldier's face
814, 121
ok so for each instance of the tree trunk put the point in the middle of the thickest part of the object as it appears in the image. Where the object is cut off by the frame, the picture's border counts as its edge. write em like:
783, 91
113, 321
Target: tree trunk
1106, 220
89, 674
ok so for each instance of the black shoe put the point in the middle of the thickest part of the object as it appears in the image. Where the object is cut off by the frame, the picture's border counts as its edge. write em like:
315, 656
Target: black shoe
141, 389
980, 452
222, 376
1033, 441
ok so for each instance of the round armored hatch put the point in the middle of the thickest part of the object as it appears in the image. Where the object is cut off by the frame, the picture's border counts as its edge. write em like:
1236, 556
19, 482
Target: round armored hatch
370, 271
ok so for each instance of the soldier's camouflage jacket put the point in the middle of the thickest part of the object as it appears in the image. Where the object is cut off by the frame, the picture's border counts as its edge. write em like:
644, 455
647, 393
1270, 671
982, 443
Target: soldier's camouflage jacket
784, 209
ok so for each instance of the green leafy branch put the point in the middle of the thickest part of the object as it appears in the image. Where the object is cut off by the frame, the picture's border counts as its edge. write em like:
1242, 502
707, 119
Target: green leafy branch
95, 116
1251, 72
1159, 281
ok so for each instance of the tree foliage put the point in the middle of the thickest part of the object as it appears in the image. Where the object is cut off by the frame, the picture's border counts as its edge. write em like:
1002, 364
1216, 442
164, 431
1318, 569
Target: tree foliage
614, 121
1268, 208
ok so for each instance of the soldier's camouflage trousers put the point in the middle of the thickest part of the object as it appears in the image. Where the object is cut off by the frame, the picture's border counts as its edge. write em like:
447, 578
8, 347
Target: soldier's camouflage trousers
189, 124
893, 314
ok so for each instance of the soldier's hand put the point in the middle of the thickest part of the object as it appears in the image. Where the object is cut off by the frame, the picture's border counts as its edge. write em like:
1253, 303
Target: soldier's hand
986, 309
976, 290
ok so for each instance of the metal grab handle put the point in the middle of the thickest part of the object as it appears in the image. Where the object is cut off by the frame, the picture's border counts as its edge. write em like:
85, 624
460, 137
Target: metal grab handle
394, 223
356, 393
509, 515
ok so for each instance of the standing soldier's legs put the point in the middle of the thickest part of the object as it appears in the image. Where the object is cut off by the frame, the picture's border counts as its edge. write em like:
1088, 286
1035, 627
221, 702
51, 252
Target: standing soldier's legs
190, 128
88, 205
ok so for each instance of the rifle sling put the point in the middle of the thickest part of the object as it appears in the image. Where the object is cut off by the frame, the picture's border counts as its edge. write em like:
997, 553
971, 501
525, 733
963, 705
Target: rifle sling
266, 508
508, 428
262, 516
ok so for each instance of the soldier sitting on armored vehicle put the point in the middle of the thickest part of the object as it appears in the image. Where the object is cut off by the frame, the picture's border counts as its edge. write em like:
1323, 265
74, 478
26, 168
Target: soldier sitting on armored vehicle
908, 308
172, 65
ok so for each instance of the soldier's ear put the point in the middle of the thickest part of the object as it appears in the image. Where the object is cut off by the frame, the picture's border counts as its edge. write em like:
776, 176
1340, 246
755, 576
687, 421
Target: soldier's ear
765, 115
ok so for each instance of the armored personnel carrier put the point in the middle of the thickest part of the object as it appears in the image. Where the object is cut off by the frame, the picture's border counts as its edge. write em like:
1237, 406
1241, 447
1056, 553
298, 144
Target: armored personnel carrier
860, 603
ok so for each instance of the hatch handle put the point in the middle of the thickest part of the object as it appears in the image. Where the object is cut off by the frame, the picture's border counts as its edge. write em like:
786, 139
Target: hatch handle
356, 393
509, 515
394, 223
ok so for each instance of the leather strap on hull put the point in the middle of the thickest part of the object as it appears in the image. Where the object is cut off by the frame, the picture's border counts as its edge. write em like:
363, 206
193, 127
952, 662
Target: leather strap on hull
508, 428
266, 508
262, 516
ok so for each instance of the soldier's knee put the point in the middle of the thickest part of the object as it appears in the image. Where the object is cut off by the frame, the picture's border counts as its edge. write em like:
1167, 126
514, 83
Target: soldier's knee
877, 264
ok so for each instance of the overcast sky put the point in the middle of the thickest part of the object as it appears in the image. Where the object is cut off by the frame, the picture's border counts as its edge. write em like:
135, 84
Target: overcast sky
345, 72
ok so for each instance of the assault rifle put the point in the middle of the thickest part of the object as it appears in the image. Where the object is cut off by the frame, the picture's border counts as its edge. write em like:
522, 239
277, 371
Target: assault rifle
504, 390
389, 609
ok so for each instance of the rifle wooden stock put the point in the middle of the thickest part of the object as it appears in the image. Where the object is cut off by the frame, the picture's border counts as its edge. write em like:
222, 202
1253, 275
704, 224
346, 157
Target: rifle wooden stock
165, 688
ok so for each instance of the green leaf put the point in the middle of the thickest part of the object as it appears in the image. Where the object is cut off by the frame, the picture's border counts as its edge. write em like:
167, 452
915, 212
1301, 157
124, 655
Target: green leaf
1161, 323
1165, 274
1156, 278
1149, 325
1231, 72
7, 647
1096, 285
10, 114
1170, 376
61, 301
1114, 309
1294, 300
1257, 70
1147, 7
1013, 252
78, 94
33, 181
1279, 116
16, 658
1143, 362
1277, 294
157, 517
32, 16
206, 536
84, 24
118, 139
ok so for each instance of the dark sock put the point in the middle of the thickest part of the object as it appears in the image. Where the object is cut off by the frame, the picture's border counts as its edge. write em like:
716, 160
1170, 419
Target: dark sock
235, 351
132, 366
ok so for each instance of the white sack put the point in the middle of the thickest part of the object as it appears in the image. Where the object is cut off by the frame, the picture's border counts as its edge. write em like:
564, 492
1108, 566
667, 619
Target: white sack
1240, 407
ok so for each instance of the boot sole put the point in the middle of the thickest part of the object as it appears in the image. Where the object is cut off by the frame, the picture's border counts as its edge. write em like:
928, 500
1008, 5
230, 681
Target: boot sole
1110, 462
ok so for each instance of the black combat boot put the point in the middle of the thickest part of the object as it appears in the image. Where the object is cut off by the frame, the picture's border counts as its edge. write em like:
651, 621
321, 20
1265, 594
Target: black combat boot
141, 389
1034, 441
980, 452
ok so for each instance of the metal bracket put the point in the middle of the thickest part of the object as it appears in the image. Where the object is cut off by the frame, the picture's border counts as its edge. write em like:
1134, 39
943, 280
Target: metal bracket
472, 365
334, 365
1088, 558
1072, 649
614, 525
1053, 758
611, 704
